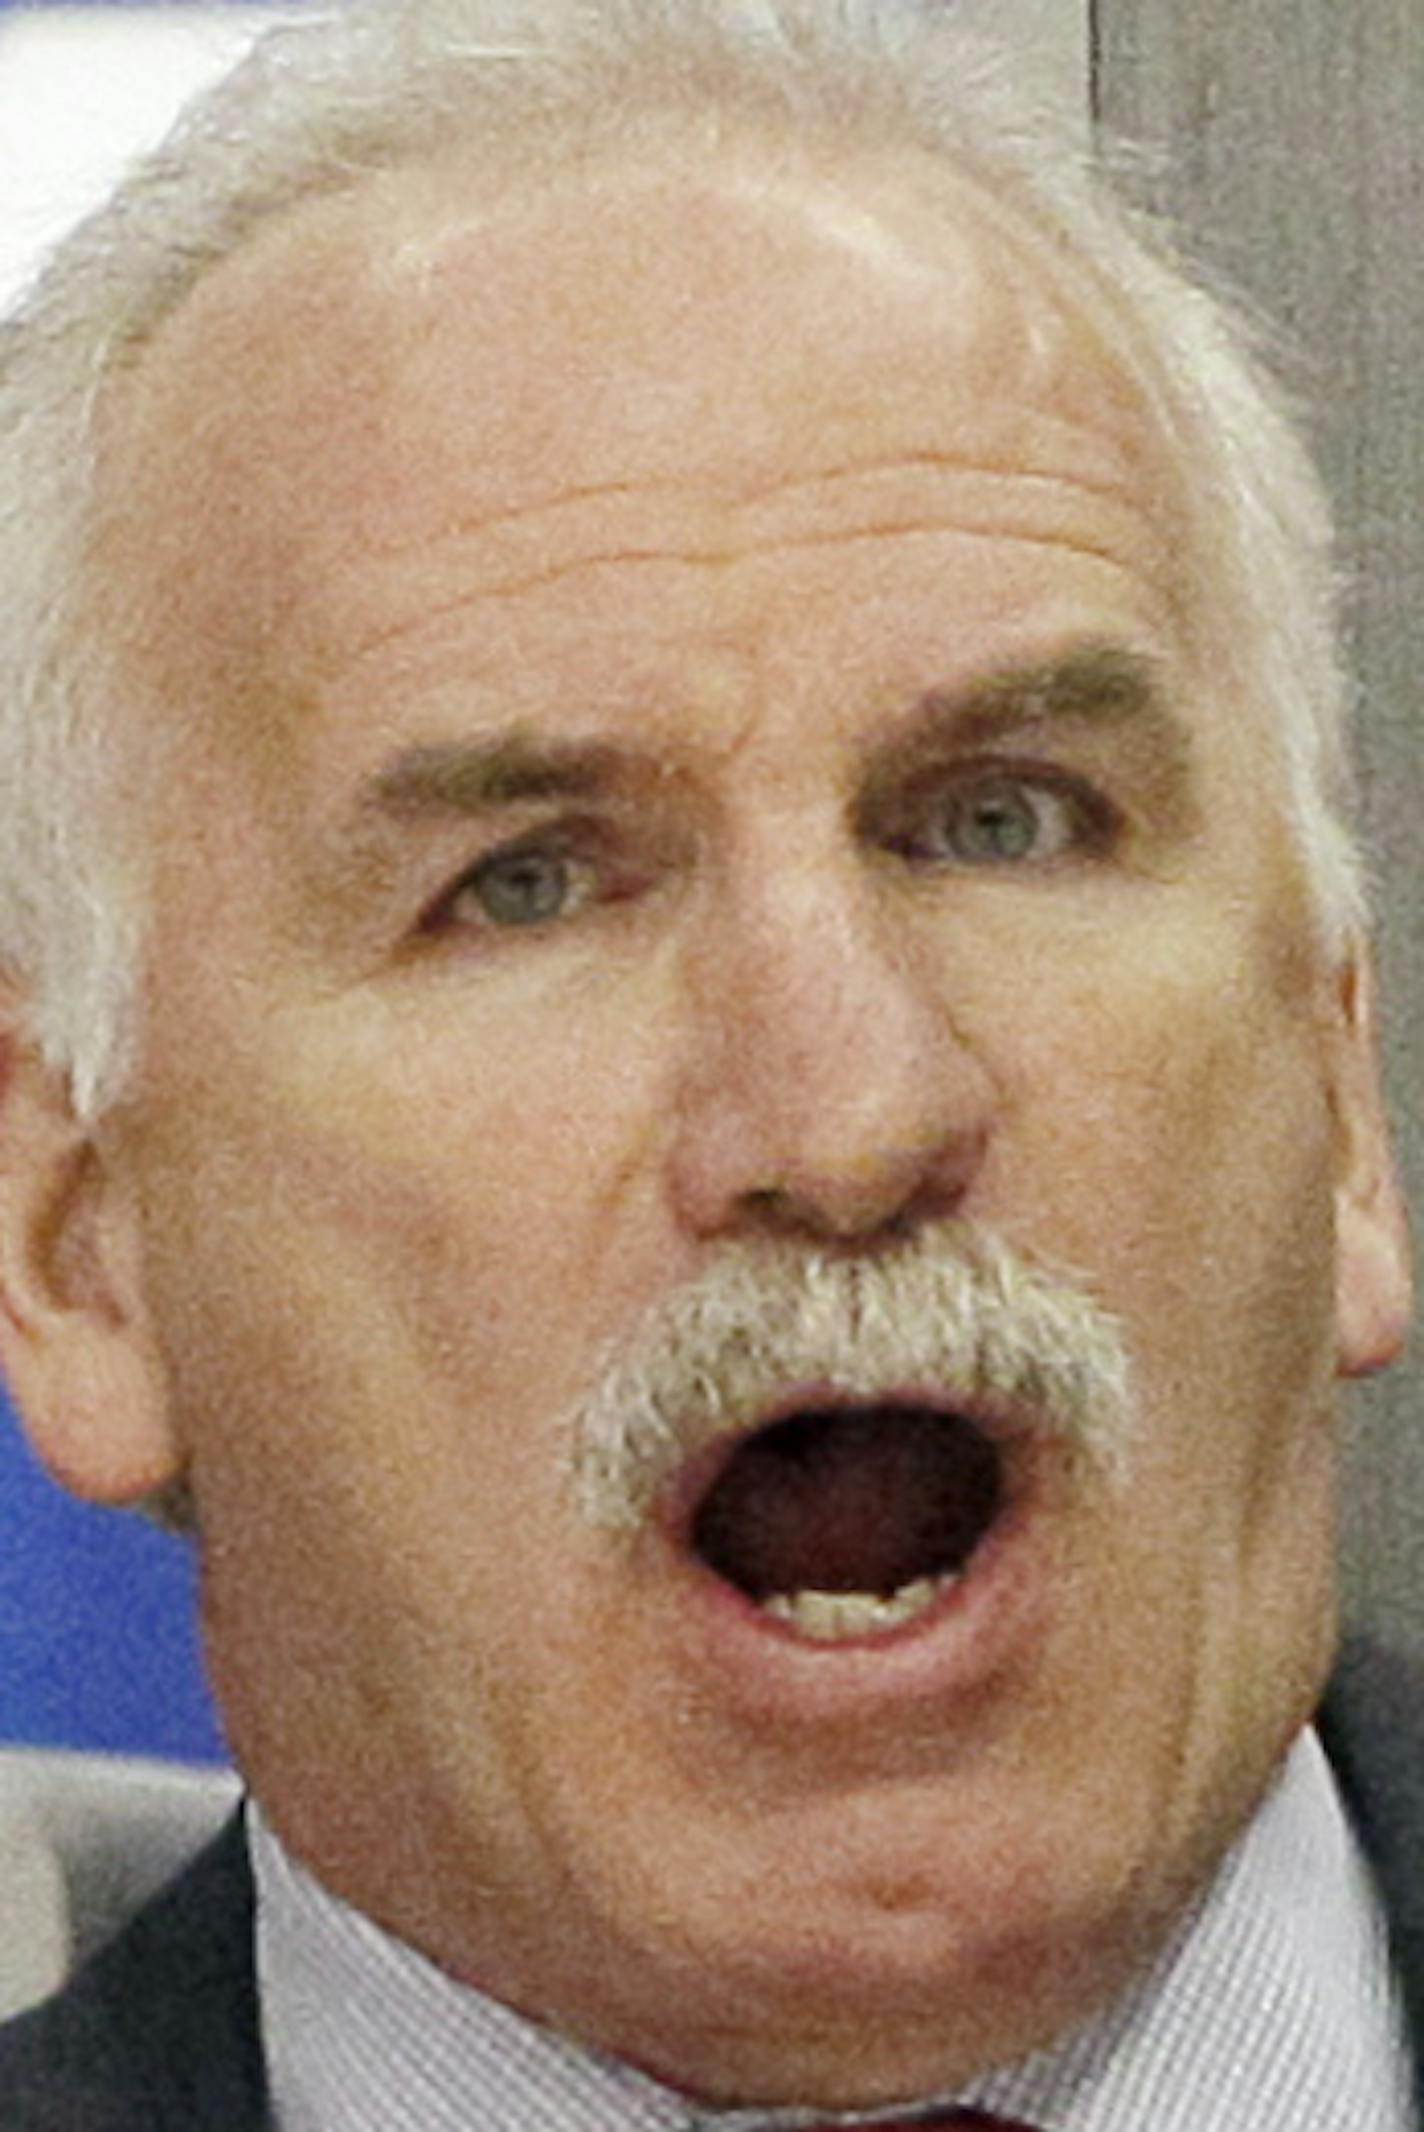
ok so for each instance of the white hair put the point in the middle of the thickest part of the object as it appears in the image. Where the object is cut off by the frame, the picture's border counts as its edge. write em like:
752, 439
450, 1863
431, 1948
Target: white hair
1025, 1349
324, 102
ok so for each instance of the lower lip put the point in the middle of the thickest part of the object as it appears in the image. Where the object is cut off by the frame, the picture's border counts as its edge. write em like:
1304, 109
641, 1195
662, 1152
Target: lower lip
984, 1625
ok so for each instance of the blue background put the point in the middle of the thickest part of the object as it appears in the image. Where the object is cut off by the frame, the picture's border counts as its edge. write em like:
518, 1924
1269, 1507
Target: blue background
98, 1636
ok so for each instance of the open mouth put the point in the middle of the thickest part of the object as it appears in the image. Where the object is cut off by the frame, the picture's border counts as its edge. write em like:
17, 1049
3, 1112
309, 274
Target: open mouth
849, 1522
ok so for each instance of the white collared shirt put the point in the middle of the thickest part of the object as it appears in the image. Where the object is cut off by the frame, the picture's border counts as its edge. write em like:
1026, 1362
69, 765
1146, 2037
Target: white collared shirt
1272, 2011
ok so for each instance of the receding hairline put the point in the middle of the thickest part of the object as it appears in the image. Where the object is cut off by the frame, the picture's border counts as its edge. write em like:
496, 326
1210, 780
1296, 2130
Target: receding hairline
361, 209
359, 244
349, 250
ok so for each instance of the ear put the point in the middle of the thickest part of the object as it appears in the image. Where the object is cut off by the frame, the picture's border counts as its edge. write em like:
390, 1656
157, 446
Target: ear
75, 1341
1373, 1289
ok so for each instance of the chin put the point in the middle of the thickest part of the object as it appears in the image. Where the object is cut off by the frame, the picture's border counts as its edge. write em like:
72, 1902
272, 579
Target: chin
867, 1990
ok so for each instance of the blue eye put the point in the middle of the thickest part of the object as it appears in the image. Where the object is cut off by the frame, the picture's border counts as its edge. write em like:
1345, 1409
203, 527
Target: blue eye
528, 885
1001, 821
544, 880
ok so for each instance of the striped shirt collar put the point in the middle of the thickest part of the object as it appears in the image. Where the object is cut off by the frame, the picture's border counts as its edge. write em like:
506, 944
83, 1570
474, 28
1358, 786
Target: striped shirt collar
1272, 2008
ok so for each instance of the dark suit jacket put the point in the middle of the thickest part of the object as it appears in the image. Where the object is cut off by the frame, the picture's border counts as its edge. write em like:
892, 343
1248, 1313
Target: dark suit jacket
159, 2032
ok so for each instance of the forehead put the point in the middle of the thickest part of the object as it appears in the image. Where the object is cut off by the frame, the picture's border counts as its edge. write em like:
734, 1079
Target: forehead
427, 377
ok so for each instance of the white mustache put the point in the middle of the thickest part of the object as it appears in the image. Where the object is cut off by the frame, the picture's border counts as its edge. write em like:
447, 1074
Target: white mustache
954, 1314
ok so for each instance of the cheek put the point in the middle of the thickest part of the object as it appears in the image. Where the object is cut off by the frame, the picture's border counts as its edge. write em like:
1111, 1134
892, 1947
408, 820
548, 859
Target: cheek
1174, 1132
498, 1178
401, 1219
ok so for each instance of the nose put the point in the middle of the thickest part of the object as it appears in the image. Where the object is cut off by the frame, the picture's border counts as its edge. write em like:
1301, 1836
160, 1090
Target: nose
829, 1092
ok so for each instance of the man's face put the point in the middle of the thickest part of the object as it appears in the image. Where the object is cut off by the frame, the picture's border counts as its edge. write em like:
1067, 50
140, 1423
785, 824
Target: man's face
691, 739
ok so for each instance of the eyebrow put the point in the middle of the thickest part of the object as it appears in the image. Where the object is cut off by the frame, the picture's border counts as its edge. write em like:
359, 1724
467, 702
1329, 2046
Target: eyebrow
1095, 688
466, 777
1099, 686
1103, 688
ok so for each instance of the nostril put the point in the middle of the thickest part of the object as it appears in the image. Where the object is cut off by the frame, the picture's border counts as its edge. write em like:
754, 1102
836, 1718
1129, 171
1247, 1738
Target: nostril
887, 1202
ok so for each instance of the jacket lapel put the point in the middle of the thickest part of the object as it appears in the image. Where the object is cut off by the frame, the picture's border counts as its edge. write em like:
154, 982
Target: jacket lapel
1373, 1728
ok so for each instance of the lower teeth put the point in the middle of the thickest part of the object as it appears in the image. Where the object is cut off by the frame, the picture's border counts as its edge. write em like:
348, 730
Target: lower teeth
834, 1617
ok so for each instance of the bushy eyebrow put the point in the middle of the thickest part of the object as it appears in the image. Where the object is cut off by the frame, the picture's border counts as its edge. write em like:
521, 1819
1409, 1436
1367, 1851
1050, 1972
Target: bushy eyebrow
466, 777
1103, 686
1099, 687
1091, 689
439, 784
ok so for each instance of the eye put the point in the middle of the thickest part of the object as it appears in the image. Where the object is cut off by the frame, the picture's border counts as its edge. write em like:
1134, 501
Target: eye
1004, 820
521, 885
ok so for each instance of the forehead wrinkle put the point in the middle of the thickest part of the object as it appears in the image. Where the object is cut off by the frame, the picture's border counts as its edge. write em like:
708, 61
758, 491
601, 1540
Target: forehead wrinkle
701, 534
725, 472
718, 559
748, 493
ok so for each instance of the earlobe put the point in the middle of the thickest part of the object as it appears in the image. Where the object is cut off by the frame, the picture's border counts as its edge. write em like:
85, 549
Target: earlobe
1372, 1258
75, 1342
